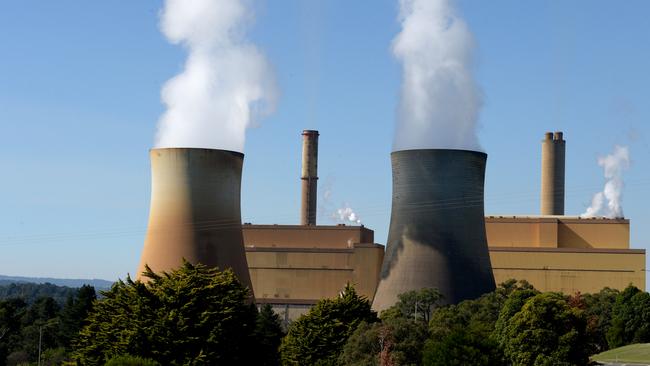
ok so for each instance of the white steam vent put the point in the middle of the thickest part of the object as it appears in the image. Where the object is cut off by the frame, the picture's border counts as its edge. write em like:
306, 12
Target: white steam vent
609, 202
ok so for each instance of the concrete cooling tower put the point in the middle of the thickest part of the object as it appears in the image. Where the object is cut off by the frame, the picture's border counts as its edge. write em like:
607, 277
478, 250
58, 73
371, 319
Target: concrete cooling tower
437, 229
195, 211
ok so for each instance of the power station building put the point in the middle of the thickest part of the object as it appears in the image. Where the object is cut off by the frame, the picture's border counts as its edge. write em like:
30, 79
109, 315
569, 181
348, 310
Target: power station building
294, 266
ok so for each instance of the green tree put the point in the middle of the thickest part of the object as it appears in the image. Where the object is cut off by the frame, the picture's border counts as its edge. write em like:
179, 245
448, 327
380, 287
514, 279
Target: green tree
395, 341
74, 313
546, 331
415, 304
192, 315
268, 334
461, 347
630, 318
318, 337
11, 313
598, 311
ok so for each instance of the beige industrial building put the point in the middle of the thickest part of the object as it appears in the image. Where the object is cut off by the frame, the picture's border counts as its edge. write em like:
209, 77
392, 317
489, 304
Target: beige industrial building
294, 266
564, 253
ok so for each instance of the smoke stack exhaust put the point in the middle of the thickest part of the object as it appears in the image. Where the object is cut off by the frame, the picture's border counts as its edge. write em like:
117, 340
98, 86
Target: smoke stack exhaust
437, 228
195, 211
553, 151
309, 177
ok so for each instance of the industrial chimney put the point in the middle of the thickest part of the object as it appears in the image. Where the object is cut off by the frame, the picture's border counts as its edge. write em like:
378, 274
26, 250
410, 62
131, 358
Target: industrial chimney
309, 177
195, 211
437, 227
553, 150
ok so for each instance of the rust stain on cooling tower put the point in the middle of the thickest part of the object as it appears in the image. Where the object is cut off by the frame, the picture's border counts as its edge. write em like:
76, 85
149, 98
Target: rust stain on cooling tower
195, 211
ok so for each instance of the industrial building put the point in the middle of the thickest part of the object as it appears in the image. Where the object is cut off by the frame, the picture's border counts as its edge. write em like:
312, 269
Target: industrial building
293, 266
439, 236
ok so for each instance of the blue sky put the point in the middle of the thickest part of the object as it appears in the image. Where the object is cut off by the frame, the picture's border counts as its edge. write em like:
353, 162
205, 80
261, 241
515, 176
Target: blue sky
80, 97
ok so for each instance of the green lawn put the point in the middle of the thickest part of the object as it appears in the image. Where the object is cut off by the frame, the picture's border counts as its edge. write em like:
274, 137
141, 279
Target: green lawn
634, 353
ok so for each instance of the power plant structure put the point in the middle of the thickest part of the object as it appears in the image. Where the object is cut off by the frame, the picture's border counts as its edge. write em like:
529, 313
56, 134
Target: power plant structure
553, 151
195, 212
437, 236
309, 177
294, 266
437, 229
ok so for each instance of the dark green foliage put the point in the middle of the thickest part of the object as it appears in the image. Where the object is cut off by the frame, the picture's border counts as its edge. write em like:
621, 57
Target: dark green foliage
318, 337
128, 360
395, 341
192, 315
11, 314
268, 333
30, 292
546, 331
463, 333
74, 313
414, 304
598, 310
461, 347
630, 318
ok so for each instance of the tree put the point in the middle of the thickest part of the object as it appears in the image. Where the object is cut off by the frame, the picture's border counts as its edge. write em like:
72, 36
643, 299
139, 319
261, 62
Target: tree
193, 314
598, 311
630, 318
395, 341
11, 313
461, 347
415, 304
318, 337
268, 333
74, 314
546, 331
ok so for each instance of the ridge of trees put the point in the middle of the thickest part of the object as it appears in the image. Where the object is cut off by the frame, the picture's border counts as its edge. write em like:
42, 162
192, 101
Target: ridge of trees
200, 315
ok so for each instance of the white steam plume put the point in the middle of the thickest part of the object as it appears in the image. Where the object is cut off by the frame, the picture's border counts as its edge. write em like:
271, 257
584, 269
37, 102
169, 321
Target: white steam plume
614, 164
347, 215
226, 82
440, 100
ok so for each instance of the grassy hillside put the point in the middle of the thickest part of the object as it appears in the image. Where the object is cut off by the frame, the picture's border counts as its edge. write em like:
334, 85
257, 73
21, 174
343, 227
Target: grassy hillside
634, 353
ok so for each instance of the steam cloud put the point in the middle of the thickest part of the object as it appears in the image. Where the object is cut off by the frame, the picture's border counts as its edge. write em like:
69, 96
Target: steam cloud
226, 82
614, 164
347, 215
440, 100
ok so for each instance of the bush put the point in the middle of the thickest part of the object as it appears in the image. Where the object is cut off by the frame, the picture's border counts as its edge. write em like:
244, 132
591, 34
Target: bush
194, 314
318, 337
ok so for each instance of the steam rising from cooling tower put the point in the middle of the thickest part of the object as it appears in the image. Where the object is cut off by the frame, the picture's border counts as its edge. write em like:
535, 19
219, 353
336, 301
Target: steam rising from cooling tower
226, 81
608, 203
440, 100
437, 229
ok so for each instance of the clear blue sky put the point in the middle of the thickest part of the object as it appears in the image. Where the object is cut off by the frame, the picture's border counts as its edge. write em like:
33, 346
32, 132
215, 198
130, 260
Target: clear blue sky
80, 97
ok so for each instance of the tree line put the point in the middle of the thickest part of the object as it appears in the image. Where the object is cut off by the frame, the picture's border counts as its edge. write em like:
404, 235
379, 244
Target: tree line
197, 315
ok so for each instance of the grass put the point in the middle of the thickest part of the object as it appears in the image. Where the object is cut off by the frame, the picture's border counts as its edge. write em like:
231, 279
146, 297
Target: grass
634, 353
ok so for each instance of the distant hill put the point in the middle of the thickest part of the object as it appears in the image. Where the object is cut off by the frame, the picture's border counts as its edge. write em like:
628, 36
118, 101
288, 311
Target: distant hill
96, 283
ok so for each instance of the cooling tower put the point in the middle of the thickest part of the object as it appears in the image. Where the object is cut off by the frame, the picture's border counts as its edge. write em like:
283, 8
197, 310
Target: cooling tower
437, 229
195, 211
553, 150
309, 177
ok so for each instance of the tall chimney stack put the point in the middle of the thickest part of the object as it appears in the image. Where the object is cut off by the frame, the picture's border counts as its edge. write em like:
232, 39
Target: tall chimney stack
309, 177
553, 150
